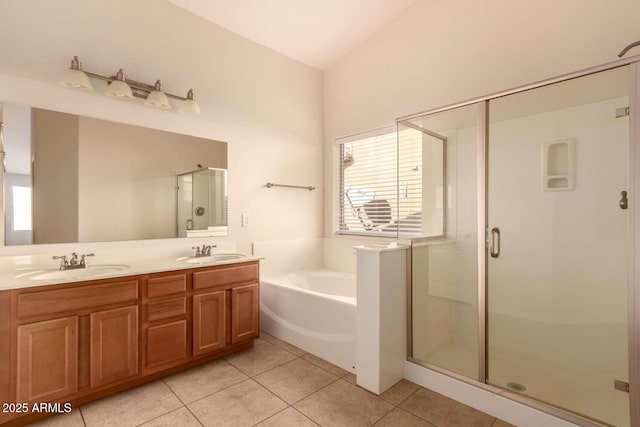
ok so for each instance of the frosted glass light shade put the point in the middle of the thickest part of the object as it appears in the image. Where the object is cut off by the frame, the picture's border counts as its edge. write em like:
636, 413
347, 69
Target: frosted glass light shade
189, 107
158, 99
75, 79
119, 89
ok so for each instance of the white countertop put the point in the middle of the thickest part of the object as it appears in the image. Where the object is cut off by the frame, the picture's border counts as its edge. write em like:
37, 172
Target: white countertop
139, 261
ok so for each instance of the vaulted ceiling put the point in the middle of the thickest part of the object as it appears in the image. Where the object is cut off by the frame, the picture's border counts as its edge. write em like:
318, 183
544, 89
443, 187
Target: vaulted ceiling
315, 32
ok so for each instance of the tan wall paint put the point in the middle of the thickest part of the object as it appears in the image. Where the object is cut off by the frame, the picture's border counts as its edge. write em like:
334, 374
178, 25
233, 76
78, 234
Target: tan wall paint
55, 176
127, 183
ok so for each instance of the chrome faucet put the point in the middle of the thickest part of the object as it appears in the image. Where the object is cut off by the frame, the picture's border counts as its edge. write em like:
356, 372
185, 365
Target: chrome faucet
73, 263
205, 251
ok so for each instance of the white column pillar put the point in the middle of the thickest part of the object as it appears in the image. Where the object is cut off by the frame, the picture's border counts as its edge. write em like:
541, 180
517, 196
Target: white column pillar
381, 317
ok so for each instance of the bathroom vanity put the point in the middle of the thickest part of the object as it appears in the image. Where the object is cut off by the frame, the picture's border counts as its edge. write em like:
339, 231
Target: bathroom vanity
80, 341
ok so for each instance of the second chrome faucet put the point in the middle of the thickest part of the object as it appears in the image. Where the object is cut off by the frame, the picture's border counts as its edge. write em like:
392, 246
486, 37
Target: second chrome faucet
205, 251
73, 262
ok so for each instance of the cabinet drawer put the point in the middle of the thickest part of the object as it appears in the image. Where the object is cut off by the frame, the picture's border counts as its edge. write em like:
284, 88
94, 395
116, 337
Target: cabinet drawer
167, 285
165, 309
76, 298
222, 276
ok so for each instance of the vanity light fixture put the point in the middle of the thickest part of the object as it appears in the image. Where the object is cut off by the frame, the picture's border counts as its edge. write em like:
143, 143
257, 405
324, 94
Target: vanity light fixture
189, 106
157, 98
119, 87
74, 77
123, 88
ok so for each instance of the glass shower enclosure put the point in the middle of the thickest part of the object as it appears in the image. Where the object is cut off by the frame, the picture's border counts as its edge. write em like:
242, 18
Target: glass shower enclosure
527, 292
202, 203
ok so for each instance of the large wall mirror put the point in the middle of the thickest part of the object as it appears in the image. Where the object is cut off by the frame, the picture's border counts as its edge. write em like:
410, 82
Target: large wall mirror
70, 178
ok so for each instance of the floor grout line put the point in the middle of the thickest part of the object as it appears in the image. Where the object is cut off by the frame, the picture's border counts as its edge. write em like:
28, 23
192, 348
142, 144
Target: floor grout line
339, 377
314, 364
407, 398
271, 369
271, 416
184, 405
314, 392
286, 403
82, 416
207, 395
280, 364
283, 348
222, 389
304, 415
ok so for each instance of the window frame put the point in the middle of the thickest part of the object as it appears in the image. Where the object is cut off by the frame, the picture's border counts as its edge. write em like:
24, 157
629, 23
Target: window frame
338, 217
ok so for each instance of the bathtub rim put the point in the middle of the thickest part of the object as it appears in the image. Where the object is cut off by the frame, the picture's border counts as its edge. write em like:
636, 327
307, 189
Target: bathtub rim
284, 281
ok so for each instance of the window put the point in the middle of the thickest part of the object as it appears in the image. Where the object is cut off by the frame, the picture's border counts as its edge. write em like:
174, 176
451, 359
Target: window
21, 208
381, 183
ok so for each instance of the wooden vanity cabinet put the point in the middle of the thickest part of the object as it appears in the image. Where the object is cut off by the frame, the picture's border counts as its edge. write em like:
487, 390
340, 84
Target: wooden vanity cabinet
78, 342
73, 337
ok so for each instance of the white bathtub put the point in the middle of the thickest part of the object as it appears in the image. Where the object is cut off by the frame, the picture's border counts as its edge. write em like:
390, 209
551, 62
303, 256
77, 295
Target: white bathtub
313, 310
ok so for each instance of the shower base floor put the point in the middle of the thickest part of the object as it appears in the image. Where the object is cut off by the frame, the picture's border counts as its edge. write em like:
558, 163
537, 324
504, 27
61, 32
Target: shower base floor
584, 392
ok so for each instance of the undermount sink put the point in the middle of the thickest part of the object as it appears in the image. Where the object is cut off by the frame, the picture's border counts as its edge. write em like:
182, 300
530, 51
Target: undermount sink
211, 259
79, 273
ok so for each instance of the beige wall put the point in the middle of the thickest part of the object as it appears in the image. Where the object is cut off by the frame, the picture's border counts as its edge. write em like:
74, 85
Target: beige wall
268, 107
55, 176
127, 178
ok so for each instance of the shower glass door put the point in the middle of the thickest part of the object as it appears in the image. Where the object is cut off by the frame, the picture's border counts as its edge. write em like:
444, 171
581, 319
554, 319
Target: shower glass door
444, 271
558, 239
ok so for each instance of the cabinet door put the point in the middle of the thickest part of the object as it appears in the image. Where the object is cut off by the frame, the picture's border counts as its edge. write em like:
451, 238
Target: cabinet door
47, 360
209, 322
244, 313
114, 345
166, 344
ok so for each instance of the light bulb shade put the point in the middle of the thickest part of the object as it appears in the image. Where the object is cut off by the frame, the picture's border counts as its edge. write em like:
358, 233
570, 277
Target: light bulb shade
75, 79
158, 99
119, 89
189, 107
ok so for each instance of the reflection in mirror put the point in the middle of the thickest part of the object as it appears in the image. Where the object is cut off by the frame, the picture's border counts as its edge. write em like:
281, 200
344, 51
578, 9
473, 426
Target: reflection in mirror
202, 203
17, 174
94, 180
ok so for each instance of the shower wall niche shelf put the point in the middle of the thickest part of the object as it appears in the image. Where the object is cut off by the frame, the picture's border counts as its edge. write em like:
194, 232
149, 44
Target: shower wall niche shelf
558, 165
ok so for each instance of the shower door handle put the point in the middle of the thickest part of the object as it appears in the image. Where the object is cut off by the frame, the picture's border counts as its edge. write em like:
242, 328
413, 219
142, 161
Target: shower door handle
494, 249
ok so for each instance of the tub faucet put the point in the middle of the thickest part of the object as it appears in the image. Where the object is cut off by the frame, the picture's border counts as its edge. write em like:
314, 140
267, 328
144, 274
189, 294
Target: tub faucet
205, 251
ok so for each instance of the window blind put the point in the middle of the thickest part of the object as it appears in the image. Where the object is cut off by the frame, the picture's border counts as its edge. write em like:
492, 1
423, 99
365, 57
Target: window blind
380, 184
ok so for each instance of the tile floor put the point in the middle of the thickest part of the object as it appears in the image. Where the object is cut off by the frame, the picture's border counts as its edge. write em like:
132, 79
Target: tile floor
273, 384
